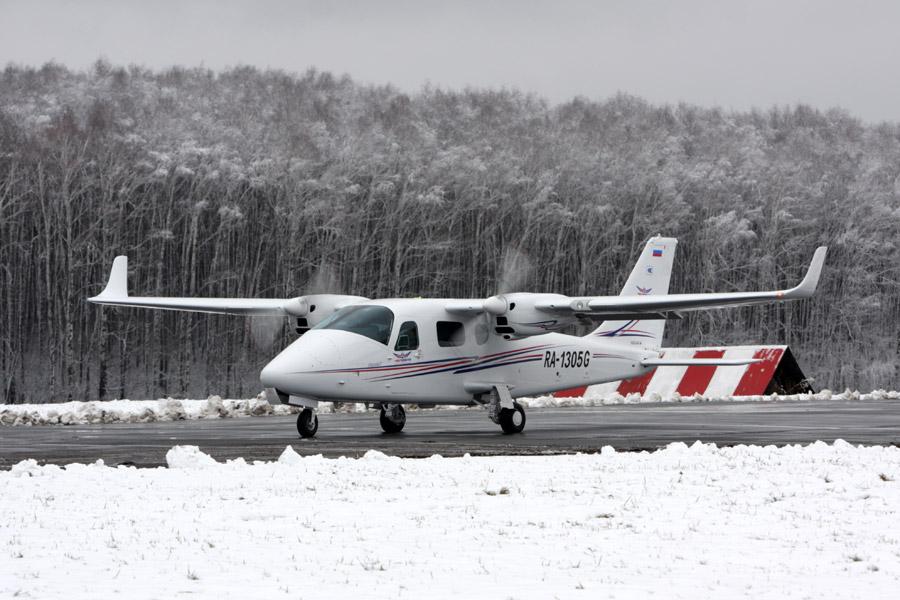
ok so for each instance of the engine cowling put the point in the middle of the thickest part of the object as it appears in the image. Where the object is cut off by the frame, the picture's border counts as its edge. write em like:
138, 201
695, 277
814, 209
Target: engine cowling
311, 310
516, 315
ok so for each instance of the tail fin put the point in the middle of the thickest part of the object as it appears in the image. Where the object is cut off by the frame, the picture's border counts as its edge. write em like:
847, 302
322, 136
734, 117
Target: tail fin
650, 277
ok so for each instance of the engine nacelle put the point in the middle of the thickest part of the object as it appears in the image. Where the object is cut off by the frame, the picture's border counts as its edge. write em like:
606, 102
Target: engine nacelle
311, 310
516, 316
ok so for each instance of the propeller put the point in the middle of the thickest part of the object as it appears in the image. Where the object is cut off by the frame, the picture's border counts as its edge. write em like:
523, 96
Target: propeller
515, 270
325, 280
264, 331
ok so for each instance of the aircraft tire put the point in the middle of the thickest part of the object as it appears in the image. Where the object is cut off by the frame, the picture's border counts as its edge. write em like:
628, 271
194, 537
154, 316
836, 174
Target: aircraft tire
307, 423
390, 426
512, 420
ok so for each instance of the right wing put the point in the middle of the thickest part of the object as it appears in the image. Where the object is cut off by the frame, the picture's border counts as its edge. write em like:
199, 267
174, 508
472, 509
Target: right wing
116, 294
670, 305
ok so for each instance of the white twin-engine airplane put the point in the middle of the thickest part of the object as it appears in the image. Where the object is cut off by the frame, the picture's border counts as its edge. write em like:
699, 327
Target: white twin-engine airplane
391, 352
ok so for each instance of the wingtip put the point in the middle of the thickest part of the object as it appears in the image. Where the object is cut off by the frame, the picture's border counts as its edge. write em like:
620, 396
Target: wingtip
810, 281
117, 285
818, 260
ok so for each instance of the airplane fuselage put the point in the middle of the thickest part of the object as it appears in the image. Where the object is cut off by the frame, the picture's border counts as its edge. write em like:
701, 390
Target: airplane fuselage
452, 359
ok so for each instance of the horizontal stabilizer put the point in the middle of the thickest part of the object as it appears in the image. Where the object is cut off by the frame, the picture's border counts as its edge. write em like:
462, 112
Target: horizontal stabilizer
699, 362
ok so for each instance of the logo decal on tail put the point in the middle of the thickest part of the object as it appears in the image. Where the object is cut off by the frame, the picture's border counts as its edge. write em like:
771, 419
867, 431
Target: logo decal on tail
650, 277
626, 330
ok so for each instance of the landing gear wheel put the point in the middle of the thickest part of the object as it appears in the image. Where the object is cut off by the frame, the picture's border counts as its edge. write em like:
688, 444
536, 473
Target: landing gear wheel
307, 423
512, 420
394, 422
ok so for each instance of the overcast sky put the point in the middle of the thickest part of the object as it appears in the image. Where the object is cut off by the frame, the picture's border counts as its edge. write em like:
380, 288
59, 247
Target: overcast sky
709, 52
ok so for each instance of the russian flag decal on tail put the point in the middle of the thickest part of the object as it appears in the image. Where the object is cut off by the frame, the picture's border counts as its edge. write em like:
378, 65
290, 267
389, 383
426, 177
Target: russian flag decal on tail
657, 252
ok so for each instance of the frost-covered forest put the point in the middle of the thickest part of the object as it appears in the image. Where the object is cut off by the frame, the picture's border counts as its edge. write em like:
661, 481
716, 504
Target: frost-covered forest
261, 183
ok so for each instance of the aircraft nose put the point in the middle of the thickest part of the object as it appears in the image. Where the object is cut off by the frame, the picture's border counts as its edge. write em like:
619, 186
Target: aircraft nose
296, 369
274, 374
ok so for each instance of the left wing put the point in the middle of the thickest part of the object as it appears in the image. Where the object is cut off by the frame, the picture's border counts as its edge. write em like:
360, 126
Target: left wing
116, 294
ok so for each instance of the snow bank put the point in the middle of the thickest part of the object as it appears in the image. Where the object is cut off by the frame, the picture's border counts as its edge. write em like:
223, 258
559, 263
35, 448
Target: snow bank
188, 457
148, 411
818, 521
135, 411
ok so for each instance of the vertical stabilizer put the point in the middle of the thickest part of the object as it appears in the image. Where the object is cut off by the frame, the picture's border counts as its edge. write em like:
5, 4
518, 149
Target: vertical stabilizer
650, 277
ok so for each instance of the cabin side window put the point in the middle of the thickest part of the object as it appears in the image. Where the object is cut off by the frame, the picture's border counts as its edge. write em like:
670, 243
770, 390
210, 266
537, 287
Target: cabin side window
450, 333
407, 337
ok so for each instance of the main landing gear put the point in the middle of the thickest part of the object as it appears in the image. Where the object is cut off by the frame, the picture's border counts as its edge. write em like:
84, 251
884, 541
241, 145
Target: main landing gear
512, 420
307, 423
504, 411
393, 418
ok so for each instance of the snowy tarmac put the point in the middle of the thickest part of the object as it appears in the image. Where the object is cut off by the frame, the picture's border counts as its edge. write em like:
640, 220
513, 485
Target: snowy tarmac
456, 432
818, 521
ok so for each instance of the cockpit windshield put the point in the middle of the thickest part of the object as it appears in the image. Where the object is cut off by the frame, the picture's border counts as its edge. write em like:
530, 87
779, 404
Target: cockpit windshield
374, 322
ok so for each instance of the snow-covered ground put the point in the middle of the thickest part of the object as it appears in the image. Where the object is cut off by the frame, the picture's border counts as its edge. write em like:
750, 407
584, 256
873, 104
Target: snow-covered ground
819, 521
145, 411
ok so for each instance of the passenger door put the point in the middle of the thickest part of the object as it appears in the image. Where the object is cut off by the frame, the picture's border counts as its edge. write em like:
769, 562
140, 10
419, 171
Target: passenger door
407, 344
407, 349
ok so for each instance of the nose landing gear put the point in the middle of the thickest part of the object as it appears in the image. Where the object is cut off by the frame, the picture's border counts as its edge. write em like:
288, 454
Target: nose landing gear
307, 423
393, 418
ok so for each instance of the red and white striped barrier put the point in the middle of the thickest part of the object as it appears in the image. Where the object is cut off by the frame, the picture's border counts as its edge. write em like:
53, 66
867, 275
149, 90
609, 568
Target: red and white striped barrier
709, 381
